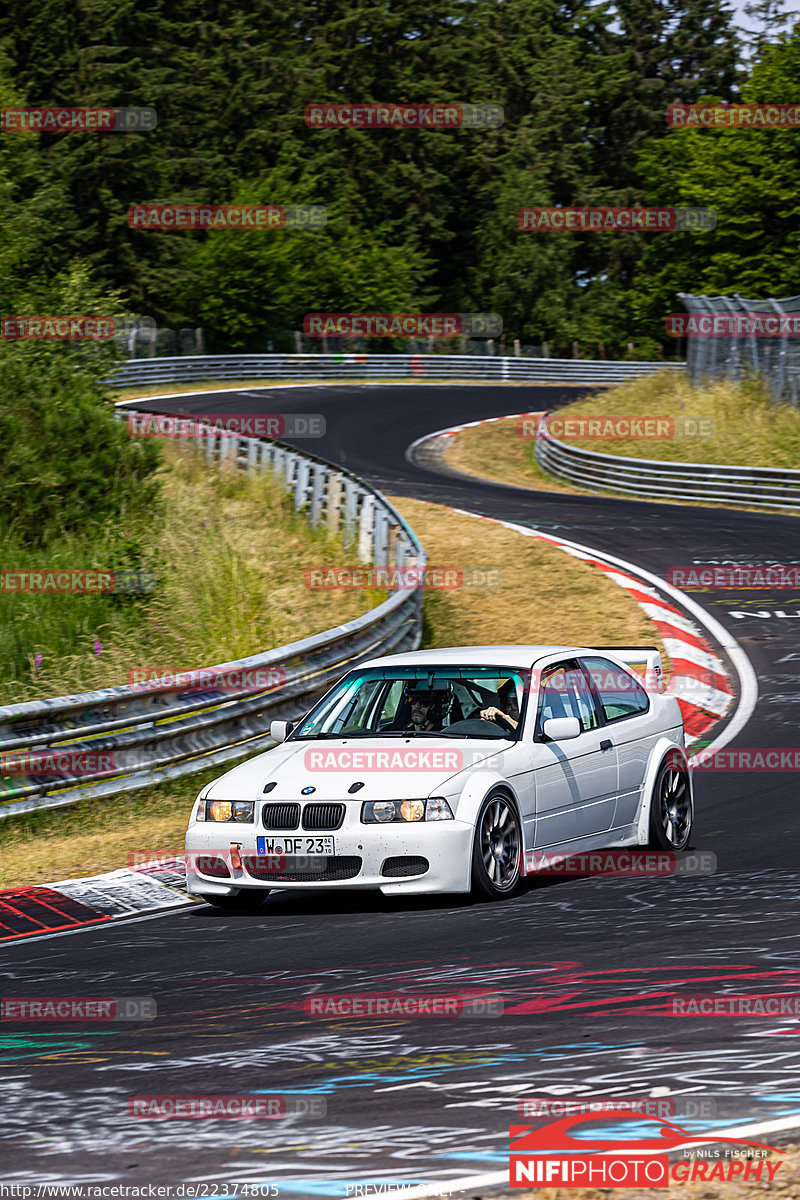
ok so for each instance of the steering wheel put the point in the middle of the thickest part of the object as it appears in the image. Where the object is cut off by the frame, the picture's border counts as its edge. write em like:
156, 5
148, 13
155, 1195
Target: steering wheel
501, 720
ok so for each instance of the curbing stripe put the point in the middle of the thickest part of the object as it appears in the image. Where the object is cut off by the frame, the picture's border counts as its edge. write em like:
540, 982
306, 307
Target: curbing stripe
94, 900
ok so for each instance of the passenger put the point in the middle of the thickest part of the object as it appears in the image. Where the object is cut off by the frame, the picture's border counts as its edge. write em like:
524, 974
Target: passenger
508, 711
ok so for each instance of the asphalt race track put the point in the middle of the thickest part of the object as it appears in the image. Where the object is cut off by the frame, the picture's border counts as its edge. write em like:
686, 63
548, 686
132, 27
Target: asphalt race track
586, 968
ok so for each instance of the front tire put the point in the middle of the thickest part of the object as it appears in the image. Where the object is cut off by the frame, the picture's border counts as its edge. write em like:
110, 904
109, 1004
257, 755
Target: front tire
497, 848
671, 807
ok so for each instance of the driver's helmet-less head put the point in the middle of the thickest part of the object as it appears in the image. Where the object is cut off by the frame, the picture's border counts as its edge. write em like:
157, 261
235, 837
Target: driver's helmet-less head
438, 696
507, 694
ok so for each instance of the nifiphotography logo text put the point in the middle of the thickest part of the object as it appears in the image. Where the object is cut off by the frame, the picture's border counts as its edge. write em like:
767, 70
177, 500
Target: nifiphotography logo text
551, 1156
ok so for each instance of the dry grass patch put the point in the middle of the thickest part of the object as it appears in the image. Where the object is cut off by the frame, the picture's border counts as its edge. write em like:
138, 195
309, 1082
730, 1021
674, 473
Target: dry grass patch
747, 428
496, 451
546, 595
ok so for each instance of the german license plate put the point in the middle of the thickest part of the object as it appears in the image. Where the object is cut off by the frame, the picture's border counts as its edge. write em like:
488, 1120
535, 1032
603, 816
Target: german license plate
295, 845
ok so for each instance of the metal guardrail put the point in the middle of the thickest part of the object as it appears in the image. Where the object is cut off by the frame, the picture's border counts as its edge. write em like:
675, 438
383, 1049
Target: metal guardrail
158, 735
143, 372
705, 482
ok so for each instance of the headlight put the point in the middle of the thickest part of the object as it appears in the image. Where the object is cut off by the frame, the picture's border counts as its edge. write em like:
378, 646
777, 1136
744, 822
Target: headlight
381, 812
227, 810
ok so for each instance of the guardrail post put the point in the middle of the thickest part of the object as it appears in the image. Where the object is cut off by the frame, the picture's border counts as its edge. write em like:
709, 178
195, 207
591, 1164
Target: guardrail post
394, 549
317, 494
380, 538
365, 527
333, 513
350, 511
227, 449
301, 482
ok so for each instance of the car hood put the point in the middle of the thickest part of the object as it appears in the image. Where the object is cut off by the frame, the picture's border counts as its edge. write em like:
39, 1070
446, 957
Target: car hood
388, 768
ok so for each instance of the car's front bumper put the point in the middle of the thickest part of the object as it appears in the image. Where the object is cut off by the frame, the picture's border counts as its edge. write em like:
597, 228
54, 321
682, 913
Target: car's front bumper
360, 859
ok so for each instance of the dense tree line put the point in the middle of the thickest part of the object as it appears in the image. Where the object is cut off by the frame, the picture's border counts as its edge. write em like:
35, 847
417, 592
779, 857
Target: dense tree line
417, 220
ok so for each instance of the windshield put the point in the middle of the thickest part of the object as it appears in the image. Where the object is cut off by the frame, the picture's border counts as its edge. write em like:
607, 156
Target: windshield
466, 702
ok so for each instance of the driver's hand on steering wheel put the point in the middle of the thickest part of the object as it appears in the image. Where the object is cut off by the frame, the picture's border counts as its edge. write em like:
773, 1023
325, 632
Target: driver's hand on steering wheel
493, 713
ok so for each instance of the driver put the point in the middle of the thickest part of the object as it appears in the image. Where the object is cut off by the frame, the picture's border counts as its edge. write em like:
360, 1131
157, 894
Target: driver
429, 705
508, 711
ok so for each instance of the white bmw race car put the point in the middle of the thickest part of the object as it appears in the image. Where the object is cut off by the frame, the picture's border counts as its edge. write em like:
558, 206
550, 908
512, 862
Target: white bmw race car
450, 771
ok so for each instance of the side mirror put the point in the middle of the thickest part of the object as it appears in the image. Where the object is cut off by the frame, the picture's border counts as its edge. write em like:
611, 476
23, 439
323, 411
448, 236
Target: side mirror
561, 729
280, 730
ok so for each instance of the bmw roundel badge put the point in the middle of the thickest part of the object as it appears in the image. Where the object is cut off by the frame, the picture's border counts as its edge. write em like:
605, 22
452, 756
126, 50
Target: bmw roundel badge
306, 791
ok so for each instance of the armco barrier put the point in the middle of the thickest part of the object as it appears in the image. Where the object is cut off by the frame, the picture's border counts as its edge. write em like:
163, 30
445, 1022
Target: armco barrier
160, 735
705, 482
432, 367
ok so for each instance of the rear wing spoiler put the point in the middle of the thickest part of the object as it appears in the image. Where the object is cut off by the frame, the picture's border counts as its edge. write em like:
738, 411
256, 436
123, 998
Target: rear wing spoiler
644, 660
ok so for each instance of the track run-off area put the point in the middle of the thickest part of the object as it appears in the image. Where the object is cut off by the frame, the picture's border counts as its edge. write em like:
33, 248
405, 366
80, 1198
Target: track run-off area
587, 968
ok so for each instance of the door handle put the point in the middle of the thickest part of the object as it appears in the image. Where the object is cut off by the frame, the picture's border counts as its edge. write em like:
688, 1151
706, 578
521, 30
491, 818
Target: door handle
606, 744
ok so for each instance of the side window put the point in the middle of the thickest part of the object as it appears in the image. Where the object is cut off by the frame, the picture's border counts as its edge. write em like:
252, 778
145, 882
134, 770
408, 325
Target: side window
565, 692
621, 694
390, 702
353, 717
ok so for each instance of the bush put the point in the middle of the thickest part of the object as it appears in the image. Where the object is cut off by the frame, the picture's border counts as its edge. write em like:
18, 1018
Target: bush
66, 462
